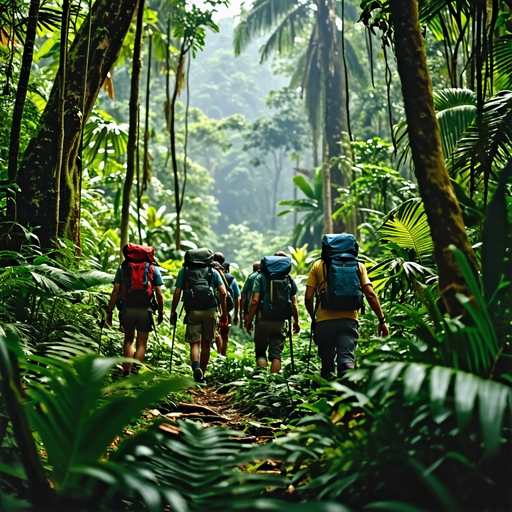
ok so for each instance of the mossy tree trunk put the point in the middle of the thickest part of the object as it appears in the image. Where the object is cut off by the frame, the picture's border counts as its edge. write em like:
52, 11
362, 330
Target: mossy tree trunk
441, 205
335, 118
36, 177
134, 123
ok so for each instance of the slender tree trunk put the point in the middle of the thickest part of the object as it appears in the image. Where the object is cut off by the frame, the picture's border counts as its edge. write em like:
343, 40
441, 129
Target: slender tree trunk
21, 94
146, 165
326, 173
110, 22
278, 165
172, 134
132, 133
62, 106
314, 136
335, 118
441, 205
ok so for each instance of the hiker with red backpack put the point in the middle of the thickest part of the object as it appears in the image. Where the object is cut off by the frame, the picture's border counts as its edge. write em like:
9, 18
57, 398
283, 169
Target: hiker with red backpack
136, 283
232, 301
339, 281
203, 293
273, 302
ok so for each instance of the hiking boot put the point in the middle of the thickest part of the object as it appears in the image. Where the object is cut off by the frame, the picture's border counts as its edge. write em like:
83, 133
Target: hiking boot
198, 376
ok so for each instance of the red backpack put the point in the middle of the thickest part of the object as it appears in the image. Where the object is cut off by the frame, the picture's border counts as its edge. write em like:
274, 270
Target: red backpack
137, 276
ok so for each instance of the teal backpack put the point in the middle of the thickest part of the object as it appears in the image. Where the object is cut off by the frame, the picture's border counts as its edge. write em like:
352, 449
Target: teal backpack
341, 268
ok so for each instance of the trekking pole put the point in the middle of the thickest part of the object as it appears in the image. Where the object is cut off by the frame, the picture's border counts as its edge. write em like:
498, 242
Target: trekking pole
173, 338
291, 345
310, 342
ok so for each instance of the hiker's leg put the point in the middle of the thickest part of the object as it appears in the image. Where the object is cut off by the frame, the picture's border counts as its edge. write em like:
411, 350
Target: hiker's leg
218, 344
324, 339
205, 354
224, 331
277, 341
346, 343
275, 367
142, 341
128, 349
261, 343
194, 352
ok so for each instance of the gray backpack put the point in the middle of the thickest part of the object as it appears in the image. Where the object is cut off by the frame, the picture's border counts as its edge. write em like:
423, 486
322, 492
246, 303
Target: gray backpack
198, 290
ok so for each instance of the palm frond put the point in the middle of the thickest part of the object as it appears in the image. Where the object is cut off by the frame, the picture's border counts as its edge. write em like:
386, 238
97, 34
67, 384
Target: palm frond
480, 153
263, 16
407, 226
284, 36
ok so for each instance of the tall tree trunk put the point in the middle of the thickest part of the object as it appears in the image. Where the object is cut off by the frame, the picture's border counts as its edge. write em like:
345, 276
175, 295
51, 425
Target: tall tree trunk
326, 174
21, 93
335, 119
110, 22
441, 205
278, 166
314, 136
133, 130
64, 29
172, 134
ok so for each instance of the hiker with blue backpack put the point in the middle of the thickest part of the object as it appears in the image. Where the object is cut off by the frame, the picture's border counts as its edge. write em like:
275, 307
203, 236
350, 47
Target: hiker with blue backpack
339, 282
137, 293
232, 302
274, 302
204, 293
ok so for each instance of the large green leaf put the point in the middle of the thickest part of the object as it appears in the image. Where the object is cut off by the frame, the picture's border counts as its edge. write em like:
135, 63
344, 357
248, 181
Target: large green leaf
303, 184
75, 429
407, 226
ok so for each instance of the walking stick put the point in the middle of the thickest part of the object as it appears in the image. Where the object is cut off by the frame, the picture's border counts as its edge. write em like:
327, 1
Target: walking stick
173, 338
310, 342
291, 345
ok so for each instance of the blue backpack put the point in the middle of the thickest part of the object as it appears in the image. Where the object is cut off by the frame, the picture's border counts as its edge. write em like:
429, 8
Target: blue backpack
341, 269
276, 289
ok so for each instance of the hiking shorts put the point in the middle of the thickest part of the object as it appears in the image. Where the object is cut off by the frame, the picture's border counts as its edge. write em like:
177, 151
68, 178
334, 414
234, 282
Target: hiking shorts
269, 335
202, 324
337, 339
136, 318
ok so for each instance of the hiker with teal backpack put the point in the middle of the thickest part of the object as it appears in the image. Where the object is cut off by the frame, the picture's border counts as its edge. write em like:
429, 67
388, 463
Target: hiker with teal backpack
203, 293
246, 295
274, 301
339, 282
136, 283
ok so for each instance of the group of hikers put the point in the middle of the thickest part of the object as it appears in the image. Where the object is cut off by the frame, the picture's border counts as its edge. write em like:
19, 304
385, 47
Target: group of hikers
335, 291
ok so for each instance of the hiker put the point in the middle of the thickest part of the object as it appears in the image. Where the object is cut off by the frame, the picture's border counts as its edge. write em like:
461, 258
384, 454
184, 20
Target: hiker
245, 297
232, 302
138, 279
199, 282
339, 281
274, 300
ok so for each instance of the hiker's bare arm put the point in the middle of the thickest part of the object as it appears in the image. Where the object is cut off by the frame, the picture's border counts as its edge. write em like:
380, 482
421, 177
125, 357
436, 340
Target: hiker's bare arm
243, 298
252, 311
236, 318
309, 301
160, 302
295, 314
222, 297
112, 303
373, 300
174, 306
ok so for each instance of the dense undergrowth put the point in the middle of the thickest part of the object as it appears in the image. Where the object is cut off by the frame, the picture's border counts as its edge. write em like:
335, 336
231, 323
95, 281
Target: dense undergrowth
423, 423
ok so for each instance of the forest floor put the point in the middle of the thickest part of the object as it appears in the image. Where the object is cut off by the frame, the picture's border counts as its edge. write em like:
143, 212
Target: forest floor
216, 409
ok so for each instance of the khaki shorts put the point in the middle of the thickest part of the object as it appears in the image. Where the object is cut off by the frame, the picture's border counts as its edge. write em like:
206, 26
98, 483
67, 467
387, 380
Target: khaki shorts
272, 335
202, 324
136, 318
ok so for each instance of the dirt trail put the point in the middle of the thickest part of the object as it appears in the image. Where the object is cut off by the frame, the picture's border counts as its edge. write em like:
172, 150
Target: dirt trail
215, 409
